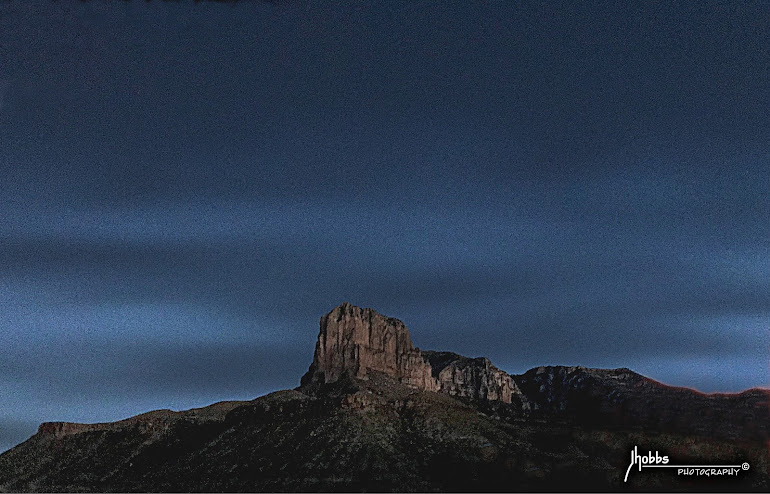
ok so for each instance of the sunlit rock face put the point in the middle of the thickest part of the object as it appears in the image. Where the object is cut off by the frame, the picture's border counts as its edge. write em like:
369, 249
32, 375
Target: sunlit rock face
353, 341
376, 414
474, 378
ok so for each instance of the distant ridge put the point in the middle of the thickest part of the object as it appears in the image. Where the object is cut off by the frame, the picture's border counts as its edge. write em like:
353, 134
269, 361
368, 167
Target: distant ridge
375, 413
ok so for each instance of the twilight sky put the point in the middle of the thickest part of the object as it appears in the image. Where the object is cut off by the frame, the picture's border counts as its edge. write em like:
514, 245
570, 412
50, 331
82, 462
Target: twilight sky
186, 188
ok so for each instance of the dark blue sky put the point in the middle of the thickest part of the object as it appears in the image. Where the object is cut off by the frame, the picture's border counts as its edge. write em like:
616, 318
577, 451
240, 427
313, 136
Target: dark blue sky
186, 188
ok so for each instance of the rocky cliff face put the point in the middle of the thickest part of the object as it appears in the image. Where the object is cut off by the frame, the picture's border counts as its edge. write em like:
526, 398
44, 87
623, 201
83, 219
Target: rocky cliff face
473, 378
551, 429
354, 341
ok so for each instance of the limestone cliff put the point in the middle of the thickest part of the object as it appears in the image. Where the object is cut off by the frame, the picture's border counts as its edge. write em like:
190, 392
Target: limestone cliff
353, 341
551, 429
473, 378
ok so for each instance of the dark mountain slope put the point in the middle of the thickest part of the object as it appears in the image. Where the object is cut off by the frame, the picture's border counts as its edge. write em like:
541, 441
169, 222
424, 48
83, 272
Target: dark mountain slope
565, 429
623, 398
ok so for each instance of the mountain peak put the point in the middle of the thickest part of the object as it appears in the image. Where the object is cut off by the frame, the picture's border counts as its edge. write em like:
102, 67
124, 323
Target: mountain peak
470, 426
475, 378
353, 341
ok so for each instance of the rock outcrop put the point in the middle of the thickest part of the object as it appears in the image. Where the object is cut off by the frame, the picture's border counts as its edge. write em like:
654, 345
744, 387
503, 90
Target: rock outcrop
551, 429
473, 378
353, 342
154, 422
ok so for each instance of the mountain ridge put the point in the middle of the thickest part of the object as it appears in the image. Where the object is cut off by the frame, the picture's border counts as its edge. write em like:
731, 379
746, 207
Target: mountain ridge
373, 412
